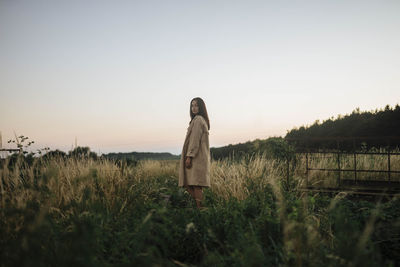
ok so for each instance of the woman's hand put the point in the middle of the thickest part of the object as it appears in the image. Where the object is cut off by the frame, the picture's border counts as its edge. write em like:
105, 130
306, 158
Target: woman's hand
188, 162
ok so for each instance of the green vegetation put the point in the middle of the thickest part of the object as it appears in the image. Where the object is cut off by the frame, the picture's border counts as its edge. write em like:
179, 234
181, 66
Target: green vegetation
135, 156
122, 209
371, 130
376, 127
66, 212
274, 147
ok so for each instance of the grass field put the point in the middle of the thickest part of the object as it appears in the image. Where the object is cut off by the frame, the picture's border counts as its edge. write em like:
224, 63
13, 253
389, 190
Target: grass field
84, 212
347, 162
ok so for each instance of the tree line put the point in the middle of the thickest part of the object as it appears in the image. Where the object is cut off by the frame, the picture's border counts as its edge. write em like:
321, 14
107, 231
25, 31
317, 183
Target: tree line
358, 130
274, 147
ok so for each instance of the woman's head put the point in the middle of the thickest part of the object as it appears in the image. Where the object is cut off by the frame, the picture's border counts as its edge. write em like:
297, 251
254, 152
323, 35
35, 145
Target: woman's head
198, 107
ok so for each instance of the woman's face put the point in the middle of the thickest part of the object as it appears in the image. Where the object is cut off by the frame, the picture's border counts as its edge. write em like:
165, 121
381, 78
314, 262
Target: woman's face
195, 107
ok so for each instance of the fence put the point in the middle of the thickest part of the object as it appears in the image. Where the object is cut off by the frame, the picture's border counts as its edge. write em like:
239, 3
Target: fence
9, 150
338, 154
339, 170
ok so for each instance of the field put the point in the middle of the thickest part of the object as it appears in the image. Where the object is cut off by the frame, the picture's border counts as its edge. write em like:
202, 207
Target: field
375, 162
85, 212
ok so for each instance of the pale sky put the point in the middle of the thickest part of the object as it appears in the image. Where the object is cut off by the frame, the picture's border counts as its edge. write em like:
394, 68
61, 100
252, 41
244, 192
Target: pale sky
119, 75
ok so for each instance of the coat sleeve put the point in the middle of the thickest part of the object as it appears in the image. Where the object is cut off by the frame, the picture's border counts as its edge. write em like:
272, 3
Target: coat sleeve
195, 138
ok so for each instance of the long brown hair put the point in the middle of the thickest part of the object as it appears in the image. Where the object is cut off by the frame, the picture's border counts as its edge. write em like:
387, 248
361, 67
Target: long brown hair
202, 110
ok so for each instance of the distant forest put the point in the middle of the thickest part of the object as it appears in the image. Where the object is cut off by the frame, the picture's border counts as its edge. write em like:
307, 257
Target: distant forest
140, 156
128, 157
358, 130
379, 128
275, 147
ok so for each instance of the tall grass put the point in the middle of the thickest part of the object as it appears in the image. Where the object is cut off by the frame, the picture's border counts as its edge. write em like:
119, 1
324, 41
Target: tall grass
88, 212
347, 162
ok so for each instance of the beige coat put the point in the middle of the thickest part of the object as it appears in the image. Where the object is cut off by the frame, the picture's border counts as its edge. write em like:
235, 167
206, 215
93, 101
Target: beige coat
197, 146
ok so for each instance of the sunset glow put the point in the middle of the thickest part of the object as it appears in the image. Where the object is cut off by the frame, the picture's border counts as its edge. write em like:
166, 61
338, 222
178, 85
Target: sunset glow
119, 75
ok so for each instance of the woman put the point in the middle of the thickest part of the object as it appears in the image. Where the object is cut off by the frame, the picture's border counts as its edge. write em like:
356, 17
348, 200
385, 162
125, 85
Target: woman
194, 169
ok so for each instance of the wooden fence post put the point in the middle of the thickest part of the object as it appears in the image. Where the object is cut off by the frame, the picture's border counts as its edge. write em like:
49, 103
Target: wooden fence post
355, 167
389, 165
307, 168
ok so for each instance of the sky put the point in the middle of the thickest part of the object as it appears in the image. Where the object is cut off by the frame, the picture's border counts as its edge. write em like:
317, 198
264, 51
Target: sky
118, 76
